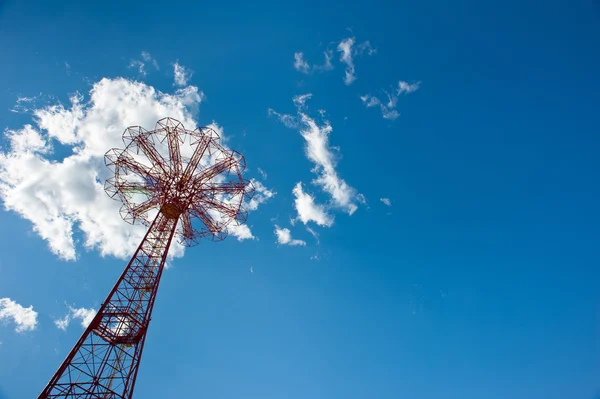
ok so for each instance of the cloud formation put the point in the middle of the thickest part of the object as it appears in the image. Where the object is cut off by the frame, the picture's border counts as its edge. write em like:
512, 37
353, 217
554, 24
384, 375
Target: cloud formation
388, 108
284, 237
304, 67
348, 52
386, 201
140, 65
65, 197
181, 74
25, 319
299, 64
308, 210
84, 315
318, 150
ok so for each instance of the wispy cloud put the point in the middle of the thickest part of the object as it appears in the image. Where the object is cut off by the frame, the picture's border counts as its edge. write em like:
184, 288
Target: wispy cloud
388, 108
148, 58
386, 201
406, 88
181, 74
261, 195
140, 64
348, 52
25, 319
287, 120
263, 173
318, 150
301, 65
284, 237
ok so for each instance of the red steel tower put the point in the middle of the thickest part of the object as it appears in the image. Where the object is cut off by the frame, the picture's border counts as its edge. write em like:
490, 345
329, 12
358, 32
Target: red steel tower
181, 184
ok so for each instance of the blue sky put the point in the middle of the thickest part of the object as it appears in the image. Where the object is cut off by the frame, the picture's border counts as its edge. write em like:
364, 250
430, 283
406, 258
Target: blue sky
480, 280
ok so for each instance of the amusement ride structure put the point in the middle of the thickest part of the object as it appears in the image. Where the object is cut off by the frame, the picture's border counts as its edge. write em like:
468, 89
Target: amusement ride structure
182, 185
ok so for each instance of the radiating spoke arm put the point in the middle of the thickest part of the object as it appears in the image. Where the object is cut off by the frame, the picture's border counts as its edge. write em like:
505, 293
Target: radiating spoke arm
127, 162
201, 147
174, 152
150, 151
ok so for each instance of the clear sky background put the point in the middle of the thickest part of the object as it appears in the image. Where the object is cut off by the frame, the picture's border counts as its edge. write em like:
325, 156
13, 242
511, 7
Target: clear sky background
478, 280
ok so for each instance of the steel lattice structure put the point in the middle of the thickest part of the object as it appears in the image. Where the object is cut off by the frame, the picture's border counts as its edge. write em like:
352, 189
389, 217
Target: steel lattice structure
181, 184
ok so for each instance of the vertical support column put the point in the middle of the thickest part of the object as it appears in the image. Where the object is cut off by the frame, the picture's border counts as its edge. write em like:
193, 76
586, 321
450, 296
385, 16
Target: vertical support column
105, 360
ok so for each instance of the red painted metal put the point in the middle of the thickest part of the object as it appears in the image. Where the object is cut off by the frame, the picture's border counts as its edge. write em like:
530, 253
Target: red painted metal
196, 188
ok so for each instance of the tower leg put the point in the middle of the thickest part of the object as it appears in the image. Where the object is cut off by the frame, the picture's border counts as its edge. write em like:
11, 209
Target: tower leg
105, 361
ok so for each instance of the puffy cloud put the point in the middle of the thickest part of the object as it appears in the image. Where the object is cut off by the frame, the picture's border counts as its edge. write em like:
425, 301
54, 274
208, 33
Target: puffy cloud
182, 74
348, 51
61, 197
25, 319
308, 210
386, 201
284, 237
388, 110
240, 231
84, 315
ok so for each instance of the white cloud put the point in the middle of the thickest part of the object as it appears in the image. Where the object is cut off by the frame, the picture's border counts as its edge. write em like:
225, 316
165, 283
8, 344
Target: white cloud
313, 233
140, 65
25, 104
240, 231
62, 197
365, 47
348, 52
386, 201
63, 323
388, 110
345, 47
287, 120
299, 63
308, 210
84, 315
148, 58
261, 195
302, 66
407, 88
262, 173
327, 65
182, 74
284, 237
319, 151
369, 100
301, 99
25, 319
